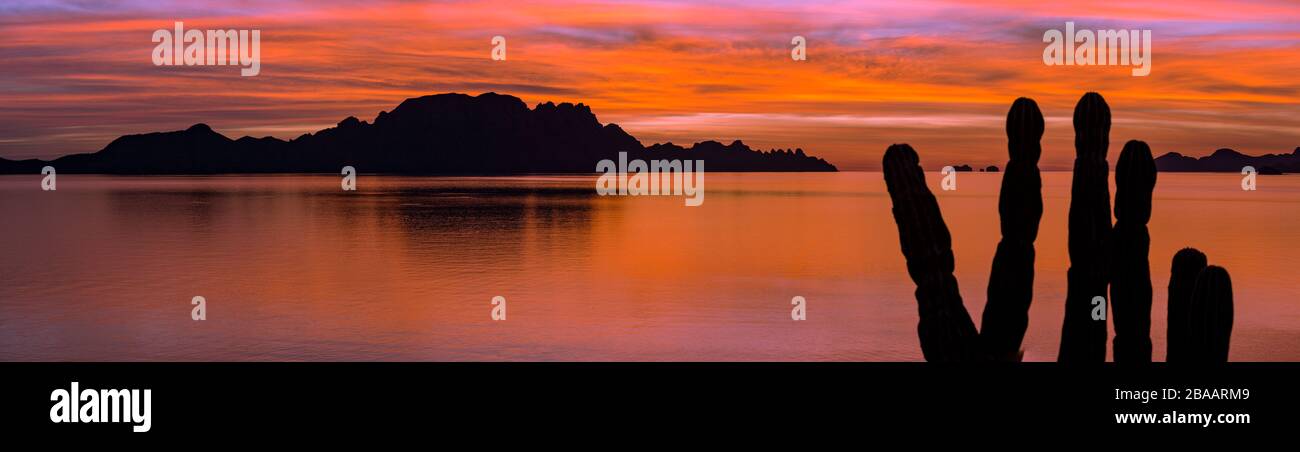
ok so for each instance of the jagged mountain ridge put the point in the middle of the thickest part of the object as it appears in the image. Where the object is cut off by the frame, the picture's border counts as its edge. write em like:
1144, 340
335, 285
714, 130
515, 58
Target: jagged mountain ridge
1228, 160
437, 134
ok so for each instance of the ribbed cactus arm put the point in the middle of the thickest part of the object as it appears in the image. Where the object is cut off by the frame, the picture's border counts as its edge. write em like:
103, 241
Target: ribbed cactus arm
1210, 316
1186, 266
946, 330
1083, 336
1020, 206
1130, 290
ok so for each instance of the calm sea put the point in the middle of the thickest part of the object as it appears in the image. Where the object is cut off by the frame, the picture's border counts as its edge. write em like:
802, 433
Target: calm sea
293, 268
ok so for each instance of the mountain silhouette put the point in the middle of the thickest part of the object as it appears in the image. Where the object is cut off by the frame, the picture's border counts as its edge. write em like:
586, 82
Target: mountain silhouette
1228, 160
437, 134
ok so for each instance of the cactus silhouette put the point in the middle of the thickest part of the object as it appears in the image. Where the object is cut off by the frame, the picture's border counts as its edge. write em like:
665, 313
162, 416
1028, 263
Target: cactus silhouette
946, 330
1130, 290
1083, 339
1187, 265
1101, 257
1209, 316
1020, 206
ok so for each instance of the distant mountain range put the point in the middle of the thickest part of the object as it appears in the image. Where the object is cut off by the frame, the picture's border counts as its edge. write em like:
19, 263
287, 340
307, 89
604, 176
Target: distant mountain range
439, 134
1228, 160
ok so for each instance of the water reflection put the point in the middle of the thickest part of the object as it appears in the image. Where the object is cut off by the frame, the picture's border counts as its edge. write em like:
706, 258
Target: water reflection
403, 269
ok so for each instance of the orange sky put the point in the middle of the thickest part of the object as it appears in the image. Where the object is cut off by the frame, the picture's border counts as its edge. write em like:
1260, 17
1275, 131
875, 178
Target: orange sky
937, 74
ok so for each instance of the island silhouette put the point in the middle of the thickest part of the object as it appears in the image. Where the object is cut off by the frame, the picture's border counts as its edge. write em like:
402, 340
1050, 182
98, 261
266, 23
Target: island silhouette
438, 134
1227, 160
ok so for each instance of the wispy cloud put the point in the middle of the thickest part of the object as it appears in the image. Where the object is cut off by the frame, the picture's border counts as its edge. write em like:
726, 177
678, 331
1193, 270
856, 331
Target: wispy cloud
936, 73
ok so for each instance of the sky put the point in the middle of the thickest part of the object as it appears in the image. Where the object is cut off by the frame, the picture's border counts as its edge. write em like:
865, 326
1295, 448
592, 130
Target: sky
938, 74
